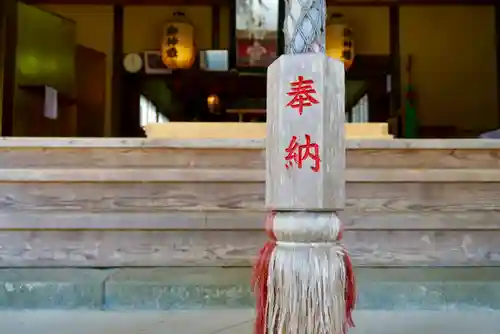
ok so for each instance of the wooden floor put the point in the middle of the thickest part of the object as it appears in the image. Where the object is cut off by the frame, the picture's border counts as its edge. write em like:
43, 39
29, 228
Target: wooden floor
77, 203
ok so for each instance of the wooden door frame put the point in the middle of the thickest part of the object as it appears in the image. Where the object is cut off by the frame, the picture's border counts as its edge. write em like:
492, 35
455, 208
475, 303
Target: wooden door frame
8, 40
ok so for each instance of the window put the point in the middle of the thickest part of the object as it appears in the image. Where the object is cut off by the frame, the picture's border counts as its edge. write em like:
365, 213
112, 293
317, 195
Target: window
149, 113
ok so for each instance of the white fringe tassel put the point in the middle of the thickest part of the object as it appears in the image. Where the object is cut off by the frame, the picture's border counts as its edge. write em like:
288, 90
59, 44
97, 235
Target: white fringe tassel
306, 284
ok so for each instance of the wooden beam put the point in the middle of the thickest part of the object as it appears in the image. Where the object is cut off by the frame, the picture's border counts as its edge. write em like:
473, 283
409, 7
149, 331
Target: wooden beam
134, 2
242, 176
8, 43
408, 2
228, 2
117, 126
246, 220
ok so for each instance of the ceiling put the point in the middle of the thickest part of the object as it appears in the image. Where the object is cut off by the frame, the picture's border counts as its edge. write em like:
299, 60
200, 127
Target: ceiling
227, 2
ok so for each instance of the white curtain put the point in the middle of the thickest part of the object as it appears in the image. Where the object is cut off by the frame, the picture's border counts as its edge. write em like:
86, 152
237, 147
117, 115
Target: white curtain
149, 113
360, 111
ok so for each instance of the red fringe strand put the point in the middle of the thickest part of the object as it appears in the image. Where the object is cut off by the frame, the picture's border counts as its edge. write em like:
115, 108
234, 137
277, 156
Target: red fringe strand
260, 276
350, 293
350, 289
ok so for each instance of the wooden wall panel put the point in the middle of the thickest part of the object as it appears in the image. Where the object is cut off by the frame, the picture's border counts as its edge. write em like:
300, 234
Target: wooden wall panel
106, 248
211, 196
129, 158
423, 197
220, 224
154, 206
240, 220
420, 158
130, 197
93, 157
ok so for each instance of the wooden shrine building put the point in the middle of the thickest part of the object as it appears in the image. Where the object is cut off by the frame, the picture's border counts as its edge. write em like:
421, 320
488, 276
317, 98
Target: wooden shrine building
445, 49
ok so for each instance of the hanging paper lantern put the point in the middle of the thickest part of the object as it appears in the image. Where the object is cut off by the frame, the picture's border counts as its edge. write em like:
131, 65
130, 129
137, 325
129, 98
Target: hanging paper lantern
178, 48
339, 42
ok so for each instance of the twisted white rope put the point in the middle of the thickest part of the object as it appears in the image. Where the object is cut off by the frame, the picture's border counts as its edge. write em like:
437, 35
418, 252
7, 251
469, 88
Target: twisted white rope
304, 27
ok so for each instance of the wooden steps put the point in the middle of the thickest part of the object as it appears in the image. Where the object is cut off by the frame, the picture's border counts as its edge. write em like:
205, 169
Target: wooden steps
124, 202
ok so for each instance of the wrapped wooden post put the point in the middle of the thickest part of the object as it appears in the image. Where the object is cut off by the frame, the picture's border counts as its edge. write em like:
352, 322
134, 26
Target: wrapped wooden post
303, 278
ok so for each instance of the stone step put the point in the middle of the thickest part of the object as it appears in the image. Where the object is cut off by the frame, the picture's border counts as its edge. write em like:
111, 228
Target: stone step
212, 288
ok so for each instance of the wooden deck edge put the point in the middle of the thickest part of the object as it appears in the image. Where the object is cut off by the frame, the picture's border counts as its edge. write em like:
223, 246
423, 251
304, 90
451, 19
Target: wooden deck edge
145, 248
237, 175
240, 221
253, 143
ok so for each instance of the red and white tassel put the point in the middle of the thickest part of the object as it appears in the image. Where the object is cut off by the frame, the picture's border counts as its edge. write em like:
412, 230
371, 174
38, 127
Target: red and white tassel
303, 278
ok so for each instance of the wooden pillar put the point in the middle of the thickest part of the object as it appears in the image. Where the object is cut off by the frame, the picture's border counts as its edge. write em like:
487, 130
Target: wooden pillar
394, 40
497, 33
394, 46
303, 275
305, 188
8, 44
233, 45
305, 149
215, 27
119, 124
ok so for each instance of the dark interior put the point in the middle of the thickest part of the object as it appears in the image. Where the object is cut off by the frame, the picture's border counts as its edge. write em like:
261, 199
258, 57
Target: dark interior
182, 95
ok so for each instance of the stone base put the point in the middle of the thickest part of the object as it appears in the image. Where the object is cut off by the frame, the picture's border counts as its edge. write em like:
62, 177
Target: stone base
404, 289
239, 321
51, 288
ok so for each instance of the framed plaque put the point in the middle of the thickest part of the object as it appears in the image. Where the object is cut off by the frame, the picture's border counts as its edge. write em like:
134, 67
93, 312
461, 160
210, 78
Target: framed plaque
214, 60
256, 36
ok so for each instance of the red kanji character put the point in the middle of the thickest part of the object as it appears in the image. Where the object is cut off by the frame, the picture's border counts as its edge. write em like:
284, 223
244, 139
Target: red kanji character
298, 153
301, 92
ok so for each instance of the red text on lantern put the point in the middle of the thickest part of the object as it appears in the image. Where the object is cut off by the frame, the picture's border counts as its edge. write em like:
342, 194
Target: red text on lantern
302, 92
297, 153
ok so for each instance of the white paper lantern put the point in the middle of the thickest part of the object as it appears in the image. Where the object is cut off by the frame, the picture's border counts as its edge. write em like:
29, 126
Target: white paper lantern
178, 48
339, 41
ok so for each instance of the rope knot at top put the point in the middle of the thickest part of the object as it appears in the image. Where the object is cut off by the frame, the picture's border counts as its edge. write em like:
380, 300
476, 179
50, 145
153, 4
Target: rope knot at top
322, 228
